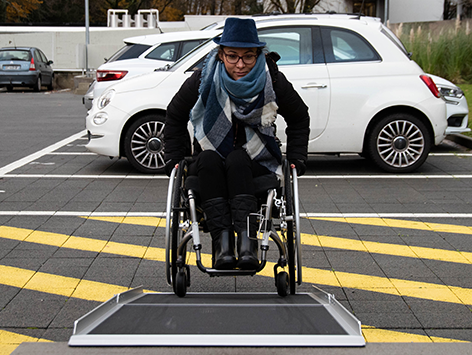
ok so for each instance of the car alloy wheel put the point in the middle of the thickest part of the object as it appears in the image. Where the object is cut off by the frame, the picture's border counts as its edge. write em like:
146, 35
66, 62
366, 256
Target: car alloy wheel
399, 143
144, 144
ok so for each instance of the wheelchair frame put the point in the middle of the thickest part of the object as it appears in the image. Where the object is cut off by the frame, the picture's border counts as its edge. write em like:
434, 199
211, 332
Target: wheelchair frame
182, 225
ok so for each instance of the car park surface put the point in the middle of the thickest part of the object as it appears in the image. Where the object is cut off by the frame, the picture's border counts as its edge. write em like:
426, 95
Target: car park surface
354, 75
77, 228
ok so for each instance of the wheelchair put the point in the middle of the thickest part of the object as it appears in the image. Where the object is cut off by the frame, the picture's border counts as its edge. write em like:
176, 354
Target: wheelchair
277, 219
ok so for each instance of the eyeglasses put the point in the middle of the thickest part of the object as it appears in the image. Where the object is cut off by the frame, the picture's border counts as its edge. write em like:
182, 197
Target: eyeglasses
248, 59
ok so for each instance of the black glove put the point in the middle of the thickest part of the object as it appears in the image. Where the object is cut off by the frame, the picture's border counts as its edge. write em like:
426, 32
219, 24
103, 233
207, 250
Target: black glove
170, 165
299, 165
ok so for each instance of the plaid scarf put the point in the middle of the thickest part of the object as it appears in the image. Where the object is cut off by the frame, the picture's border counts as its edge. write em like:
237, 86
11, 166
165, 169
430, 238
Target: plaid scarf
251, 100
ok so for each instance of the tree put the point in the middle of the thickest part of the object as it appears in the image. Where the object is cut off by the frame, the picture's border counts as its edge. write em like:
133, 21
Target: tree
293, 6
17, 10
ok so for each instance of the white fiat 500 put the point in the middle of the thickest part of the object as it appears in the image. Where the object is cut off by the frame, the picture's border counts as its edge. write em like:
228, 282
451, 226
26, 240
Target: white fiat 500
364, 93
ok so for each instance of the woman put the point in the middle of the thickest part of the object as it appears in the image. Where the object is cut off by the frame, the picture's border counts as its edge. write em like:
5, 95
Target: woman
232, 104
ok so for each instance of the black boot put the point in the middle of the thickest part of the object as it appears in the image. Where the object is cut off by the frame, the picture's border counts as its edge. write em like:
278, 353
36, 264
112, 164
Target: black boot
218, 220
241, 207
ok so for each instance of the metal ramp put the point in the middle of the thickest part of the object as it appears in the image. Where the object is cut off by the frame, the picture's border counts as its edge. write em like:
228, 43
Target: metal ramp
134, 318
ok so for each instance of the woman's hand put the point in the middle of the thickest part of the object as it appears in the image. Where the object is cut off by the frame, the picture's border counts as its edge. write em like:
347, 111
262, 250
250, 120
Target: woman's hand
170, 165
299, 165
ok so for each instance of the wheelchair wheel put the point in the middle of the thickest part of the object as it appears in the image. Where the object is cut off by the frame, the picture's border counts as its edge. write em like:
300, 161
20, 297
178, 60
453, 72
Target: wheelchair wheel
177, 213
282, 284
293, 232
180, 284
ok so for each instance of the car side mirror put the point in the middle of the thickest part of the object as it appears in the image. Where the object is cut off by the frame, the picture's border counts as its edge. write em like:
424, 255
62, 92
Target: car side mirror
50, 62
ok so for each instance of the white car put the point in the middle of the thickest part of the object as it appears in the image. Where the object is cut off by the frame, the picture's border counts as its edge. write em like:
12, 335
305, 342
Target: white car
457, 108
364, 93
143, 54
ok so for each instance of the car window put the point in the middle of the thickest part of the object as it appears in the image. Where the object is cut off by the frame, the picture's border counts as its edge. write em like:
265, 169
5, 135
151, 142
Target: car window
293, 44
189, 45
15, 55
43, 57
395, 40
165, 51
130, 51
37, 58
346, 46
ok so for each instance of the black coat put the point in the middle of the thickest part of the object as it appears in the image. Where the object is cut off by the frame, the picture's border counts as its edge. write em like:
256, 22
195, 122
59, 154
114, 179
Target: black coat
291, 108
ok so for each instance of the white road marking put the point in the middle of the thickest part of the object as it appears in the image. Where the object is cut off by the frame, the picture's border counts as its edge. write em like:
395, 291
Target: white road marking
19, 163
303, 215
304, 177
72, 153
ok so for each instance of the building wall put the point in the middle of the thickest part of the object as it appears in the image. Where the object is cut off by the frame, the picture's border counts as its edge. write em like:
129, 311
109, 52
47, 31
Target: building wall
339, 6
415, 10
65, 46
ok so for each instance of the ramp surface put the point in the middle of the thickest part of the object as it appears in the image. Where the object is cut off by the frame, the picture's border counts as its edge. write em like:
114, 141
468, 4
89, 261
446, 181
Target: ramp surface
135, 318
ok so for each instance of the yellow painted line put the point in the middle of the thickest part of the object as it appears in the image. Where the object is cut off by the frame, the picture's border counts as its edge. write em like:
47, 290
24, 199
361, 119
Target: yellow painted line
142, 221
387, 248
350, 244
376, 335
10, 341
58, 285
386, 222
436, 292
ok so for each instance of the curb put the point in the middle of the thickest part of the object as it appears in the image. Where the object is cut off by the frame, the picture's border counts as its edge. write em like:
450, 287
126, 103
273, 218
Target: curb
458, 138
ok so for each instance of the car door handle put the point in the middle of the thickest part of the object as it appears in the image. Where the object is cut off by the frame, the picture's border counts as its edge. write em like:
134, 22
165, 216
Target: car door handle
314, 86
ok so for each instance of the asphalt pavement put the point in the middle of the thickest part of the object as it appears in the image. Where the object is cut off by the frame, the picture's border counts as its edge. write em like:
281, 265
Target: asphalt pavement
76, 228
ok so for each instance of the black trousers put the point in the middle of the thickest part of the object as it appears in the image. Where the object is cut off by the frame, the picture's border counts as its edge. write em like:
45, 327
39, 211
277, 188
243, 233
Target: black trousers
219, 177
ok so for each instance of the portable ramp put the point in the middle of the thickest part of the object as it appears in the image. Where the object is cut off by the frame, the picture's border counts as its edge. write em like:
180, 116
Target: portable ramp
134, 318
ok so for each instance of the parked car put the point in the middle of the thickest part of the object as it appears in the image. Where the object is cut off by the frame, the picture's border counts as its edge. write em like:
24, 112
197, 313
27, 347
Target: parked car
25, 66
143, 54
364, 92
457, 108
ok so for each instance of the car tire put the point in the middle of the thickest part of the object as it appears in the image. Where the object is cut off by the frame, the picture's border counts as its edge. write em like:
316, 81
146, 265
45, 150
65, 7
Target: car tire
399, 143
9, 88
51, 85
38, 85
144, 144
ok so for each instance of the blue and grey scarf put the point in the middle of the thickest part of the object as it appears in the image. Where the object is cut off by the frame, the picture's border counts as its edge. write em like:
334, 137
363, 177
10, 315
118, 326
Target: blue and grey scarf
250, 99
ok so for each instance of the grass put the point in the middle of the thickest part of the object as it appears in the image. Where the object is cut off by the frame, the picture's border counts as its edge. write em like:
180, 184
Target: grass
447, 54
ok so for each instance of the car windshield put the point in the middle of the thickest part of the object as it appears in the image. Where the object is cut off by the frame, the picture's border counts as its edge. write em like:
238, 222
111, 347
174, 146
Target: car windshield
130, 51
15, 54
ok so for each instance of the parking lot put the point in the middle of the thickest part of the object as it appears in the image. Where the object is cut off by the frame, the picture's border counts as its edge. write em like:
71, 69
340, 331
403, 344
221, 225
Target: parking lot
77, 228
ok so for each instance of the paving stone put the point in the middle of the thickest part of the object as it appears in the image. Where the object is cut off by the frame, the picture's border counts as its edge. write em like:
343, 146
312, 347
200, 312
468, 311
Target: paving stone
72, 310
68, 267
389, 320
31, 309
398, 306
458, 334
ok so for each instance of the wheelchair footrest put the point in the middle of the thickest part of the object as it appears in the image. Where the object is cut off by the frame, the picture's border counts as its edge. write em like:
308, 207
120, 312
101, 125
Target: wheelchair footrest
234, 272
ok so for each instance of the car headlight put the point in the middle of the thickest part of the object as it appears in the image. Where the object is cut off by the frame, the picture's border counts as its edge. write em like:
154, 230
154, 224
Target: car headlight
100, 118
451, 92
105, 99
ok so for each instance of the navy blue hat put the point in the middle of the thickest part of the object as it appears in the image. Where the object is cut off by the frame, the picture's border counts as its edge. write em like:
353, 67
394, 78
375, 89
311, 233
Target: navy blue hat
239, 33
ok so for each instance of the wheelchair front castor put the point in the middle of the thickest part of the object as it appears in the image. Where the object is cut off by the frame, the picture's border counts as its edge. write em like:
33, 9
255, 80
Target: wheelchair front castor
283, 283
180, 286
